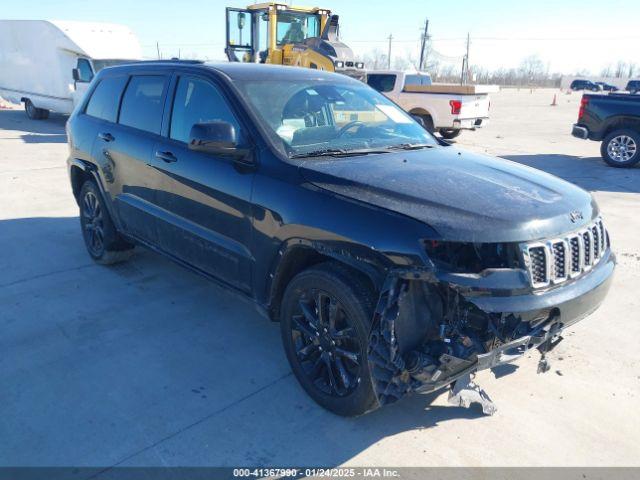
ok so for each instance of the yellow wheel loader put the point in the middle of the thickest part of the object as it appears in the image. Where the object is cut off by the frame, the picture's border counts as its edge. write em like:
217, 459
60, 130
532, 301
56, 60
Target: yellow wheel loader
285, 35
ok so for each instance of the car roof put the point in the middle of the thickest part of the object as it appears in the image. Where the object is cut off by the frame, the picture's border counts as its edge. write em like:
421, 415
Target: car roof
242, 71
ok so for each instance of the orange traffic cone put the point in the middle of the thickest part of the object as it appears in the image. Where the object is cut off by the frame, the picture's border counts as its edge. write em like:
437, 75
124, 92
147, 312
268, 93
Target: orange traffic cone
555, 100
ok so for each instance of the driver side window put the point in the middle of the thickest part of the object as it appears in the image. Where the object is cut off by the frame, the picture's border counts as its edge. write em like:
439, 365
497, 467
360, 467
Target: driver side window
198, 101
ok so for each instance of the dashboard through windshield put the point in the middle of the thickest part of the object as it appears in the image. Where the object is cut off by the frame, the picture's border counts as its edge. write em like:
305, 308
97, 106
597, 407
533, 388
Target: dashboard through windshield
309, 117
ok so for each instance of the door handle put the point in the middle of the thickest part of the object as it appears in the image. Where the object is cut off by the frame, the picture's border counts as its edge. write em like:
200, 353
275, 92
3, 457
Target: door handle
166, 156
107, 137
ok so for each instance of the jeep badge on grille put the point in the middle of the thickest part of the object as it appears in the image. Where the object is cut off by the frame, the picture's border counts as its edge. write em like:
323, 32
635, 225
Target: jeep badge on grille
575, 216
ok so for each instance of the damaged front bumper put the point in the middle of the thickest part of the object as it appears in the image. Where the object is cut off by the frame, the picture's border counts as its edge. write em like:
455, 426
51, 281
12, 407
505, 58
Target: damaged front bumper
476, 328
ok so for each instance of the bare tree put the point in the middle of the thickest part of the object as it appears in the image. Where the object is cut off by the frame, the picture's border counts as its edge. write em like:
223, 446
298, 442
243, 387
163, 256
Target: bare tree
532, 68
606, 71
632, 69
376, 59
621, 69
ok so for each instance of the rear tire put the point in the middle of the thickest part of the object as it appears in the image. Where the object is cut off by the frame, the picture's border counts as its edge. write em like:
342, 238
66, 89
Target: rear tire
621, 148
101, 239
449, 133
428, 123
33, 112
325, 323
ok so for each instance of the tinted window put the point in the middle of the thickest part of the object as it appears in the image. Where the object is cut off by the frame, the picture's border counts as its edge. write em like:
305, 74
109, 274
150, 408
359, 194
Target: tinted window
85, 73
197, 101
105, 98
142, 103
382, 82
417, 80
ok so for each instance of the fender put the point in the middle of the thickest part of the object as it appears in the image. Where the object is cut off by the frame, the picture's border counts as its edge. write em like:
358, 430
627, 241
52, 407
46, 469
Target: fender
624, 121
371, 263
91, 170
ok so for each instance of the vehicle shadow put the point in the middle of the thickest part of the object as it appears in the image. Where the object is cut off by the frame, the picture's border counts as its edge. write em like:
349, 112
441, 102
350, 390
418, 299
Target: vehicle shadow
198, 372
590, 173
50, 130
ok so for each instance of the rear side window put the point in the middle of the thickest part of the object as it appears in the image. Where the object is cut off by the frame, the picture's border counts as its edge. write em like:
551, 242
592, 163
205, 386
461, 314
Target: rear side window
417, 80
105, 98
382, 82
197, 101
142, 103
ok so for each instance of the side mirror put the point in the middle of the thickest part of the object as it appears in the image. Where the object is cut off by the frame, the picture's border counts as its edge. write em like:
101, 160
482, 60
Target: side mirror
76, 75
214, 137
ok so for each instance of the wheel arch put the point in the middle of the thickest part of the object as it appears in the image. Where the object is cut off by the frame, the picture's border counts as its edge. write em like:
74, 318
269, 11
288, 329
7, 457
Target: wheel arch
79, 172
619, 123
422, 112
297, 255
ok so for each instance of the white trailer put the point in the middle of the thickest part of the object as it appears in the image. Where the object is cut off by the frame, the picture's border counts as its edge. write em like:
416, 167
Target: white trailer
447, 109
48, 65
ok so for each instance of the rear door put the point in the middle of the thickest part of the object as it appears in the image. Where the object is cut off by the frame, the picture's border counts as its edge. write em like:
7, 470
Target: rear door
126, 148
205, 199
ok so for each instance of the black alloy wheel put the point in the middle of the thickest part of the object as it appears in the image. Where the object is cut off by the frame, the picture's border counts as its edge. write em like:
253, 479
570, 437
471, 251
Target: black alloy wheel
92, 223
326, 344
325, 318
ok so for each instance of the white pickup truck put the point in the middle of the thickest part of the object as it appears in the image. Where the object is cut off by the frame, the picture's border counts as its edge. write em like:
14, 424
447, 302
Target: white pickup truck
447, 109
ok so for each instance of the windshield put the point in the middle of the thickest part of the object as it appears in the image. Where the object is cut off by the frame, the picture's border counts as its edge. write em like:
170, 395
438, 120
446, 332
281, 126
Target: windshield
296, 27
310, 117
100, 64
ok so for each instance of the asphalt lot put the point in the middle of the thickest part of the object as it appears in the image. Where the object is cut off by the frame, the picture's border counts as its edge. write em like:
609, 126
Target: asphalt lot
146, 363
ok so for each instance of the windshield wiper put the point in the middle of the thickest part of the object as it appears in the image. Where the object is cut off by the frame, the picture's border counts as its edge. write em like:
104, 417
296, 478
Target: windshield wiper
410, 146
340, 152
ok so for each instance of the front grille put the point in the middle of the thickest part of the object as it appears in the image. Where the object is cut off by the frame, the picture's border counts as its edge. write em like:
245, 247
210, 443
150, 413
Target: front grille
554, 261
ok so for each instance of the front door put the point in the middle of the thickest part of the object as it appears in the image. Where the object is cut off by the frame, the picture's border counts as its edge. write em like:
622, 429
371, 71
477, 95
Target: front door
84, 77
205, 199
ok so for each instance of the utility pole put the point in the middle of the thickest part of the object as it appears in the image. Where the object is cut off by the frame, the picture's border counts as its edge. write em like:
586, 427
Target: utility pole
423, 47
389, 54
158, 49
466, 61
464, 74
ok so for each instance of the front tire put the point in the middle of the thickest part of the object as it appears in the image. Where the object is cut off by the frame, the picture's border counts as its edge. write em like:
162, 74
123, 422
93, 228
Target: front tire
449, 133
101, 239
620, 148
325, 322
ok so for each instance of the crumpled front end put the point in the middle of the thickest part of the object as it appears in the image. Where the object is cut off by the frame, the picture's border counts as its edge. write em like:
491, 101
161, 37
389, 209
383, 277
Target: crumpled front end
433, 327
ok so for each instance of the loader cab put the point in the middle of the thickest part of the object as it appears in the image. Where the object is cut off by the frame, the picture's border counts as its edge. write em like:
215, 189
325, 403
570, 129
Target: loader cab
268, 32
294, 36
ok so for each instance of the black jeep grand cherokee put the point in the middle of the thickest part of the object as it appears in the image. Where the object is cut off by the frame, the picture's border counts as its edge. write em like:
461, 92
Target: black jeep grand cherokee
393, 261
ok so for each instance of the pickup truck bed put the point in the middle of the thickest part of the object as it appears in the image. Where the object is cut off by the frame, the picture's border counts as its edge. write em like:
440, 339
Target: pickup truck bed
447, 109
451, 88
613, 119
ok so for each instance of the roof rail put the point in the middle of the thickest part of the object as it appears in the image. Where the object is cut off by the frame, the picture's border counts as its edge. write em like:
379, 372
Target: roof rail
172, 60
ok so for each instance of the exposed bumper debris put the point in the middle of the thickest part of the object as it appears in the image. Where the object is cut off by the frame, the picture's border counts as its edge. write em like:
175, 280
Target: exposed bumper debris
426, 336
464, 392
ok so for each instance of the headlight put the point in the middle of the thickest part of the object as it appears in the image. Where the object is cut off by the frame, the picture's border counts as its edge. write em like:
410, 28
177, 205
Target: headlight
464, 257
359, 65
339, 64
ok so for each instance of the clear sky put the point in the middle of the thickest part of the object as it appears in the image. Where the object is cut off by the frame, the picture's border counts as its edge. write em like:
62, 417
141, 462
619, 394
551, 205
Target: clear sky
568, 35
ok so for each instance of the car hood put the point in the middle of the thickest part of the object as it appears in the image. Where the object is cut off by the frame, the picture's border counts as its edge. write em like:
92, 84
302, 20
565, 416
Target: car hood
462, 195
